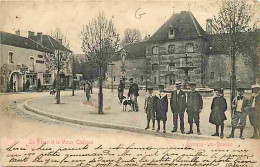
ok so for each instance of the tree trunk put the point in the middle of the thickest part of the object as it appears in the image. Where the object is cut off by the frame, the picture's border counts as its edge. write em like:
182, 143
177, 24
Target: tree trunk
73, 86
58, 80
100, 94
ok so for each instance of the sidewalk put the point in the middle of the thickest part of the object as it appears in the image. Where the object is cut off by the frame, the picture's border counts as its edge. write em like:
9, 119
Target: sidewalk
77, 108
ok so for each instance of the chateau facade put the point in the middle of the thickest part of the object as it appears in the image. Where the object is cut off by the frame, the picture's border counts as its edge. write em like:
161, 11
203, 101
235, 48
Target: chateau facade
180, 43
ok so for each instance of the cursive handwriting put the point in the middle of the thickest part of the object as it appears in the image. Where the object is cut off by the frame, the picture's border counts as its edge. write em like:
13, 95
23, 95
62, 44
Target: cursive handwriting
100, 154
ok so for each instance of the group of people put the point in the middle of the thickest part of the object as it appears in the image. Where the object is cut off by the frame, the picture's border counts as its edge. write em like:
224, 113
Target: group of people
133, 93
156, 108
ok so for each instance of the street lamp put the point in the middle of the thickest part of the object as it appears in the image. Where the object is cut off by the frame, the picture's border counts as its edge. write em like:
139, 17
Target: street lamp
112, 76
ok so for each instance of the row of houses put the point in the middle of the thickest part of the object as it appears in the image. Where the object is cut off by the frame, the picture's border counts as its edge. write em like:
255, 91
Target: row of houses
22, 61
182, 43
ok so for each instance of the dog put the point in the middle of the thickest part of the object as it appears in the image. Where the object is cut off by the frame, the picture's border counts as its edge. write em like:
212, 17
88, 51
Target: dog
126, 101
52, 92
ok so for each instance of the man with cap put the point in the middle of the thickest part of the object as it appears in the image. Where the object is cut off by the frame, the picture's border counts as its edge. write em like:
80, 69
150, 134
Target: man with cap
149, 107
240, 108
217, 115
178, 106
161, 108
254, 112
120, 90
194, 107
133, 94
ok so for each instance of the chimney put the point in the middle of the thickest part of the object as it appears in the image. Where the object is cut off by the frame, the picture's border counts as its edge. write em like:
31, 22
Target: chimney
209, 26
39, 37
60, 41
17, 32
30, 34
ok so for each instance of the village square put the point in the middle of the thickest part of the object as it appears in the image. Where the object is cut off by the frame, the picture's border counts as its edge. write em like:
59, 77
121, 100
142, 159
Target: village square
183, 74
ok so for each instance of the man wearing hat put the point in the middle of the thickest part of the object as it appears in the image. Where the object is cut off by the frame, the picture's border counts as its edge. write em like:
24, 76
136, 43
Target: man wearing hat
254, 112
161, 108
120, 90
194, 107
133, 94
240, 107
149, 107
178, 106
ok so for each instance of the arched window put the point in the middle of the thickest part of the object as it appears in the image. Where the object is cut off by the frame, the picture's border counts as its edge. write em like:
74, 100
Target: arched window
155, 67
171, 49
189, 47
155, 50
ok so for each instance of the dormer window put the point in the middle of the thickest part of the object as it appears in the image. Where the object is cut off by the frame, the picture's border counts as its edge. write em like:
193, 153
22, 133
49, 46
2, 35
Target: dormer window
171, 33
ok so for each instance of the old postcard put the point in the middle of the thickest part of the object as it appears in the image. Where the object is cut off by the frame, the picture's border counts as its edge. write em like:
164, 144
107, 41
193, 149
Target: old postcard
130, 83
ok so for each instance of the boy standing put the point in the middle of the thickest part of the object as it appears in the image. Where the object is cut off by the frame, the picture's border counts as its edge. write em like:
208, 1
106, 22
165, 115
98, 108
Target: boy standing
149, 108
161, 108
240, 108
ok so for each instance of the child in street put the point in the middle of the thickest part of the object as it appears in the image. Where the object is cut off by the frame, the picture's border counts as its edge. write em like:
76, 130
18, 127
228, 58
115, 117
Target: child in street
149, 108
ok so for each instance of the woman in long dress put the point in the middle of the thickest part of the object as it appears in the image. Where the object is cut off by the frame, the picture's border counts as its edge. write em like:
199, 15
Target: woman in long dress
217, 115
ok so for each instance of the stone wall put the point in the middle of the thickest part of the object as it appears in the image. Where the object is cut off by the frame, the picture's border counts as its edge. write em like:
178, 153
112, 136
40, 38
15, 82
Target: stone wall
219, 71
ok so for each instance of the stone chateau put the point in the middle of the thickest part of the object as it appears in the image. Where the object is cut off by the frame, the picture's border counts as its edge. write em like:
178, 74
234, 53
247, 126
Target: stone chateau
159, 59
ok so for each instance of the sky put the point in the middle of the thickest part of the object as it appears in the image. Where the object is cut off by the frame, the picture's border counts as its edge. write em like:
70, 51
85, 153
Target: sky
71, 16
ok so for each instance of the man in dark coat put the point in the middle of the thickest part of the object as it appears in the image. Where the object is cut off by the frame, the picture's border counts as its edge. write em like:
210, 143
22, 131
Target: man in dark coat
120, 90
194, 107
161, 109
254, 111
217, 115
240, 108
133, 94
178, 106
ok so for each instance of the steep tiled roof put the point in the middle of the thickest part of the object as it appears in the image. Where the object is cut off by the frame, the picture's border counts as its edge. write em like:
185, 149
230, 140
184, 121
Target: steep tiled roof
135, 50
18, 41
51, 43
184, 24
48, 43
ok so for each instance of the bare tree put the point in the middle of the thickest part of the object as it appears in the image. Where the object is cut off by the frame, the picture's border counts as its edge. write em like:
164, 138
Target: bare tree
58, 35
57, 60
99, 41
235, 27
131, 36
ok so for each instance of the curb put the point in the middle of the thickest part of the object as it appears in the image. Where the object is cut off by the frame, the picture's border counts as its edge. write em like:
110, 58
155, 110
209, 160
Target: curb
113, 126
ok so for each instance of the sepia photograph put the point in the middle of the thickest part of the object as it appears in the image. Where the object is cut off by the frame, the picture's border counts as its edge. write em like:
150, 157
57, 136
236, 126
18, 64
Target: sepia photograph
130, 83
